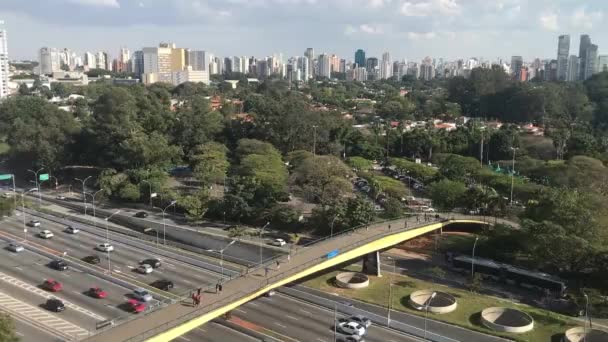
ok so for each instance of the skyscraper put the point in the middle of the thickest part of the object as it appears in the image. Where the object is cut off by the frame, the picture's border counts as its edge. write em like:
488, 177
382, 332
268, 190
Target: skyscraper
310, 54
591, 63
324, 66
360, 58
89, 60
563, 50
49, 61
303, 66
198, 60
573, 68
137, 63
386, 67
517, 62
3, 64
602, 63
582, 55
157, 64
334, 61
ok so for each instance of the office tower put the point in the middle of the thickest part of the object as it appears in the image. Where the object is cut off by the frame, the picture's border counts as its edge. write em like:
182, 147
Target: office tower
178, 59
310, 54
371, 64
48, 61
100, 58
3, 64
573, 68
563, 50
227, 67
517, 62
324, 66
360, 58
89, 60
137, 63
334, 63
157, 63
386, 68
591, 62
551, 70
342, 67
303, 66
427, 70
198, 60
582, 55
602, 63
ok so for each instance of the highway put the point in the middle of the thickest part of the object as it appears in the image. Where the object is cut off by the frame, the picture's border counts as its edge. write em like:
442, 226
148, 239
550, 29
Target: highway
214, 332
295, 320
123, 260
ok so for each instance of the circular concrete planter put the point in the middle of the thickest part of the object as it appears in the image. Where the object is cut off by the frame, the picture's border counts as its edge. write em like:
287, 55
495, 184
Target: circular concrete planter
352, 280
442, 303
580, 334
507, 320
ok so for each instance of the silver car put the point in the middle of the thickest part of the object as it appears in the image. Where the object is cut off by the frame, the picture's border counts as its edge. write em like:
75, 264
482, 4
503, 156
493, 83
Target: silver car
364, 321
142, 295
15, 247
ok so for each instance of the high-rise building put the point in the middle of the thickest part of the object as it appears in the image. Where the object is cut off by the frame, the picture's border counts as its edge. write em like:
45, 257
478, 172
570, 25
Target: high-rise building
573, 68
360, 58
158, 61
591, 63
324, 66
198, 60
582, 55
89, 60
386, 68
427, 70
602, 65
563, 50
178, 59
334, 62
310, 54
48, 61
517, 62
137, 63
342, 67
189, 75
100, 58
551, 70
371, 64
303, 66
3, 64
356, 74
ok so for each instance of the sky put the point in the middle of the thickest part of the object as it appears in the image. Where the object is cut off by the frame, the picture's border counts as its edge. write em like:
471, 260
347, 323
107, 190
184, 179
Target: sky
408, 29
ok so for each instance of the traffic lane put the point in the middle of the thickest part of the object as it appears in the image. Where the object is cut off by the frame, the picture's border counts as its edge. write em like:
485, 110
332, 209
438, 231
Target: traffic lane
30, 333
214, 332
124, 259
239, 250
33, 269
303, 321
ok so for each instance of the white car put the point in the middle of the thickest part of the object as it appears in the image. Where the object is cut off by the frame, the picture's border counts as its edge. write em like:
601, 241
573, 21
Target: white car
46, 234
105, 247
60, 197
278, 242
15, 247
34, 223
142, 295
145, 269
350, 328
72, 230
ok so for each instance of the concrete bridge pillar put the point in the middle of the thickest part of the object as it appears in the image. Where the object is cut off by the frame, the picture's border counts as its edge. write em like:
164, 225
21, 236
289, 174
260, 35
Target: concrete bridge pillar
371, 264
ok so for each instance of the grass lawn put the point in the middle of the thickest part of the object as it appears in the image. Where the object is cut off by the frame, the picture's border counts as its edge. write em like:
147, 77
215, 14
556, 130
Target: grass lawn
4, 148
548, 326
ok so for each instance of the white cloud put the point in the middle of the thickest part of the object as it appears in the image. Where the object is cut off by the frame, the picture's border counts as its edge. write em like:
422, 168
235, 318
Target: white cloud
100, 3
421, 35
431, 8
377, 3
581, 19
141, 4
363, 28
548, 21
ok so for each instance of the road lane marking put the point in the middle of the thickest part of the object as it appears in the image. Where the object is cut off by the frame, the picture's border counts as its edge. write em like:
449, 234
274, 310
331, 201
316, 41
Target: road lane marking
306, 312
240, 310
291, 317
184, 338
281, 325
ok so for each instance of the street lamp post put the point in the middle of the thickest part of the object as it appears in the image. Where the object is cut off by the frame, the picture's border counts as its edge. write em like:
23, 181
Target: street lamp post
426, 312
23, 214
108, 238
36, 182
390, 291
587, 319
84, 197
261, 234
164, 223
512, 173
221, 251
150, 192
331, 234
473, 257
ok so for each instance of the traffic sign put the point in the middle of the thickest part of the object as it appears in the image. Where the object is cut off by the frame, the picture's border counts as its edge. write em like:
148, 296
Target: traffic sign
6, 176
44, 177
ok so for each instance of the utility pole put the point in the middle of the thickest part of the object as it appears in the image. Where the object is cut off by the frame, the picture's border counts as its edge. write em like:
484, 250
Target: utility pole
481, 151
314, 140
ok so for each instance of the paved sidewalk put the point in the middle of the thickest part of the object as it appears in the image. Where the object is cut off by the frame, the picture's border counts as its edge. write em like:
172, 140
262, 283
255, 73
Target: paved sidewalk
234, 290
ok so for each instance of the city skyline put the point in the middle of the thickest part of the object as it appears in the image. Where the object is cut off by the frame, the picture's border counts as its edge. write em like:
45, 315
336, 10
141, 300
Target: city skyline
407, 29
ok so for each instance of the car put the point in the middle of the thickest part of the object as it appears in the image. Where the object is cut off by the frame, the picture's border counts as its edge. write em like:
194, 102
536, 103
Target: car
105, 247
72, 230
141, 214
349, 338
350, 328
97, 292
46, 234
34, 223
142, 295
278, 242
155, 263
364, 321
60, 197
163, 284
136, 306
54, 304
15, 247
145, 269
92, 259
52, 285
270, 293
59, 265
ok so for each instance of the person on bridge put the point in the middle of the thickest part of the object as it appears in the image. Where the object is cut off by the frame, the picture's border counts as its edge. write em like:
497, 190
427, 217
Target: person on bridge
389, 227
193, 299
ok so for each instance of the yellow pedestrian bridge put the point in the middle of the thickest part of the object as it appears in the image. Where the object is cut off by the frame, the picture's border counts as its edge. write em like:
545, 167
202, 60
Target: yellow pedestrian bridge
179, 317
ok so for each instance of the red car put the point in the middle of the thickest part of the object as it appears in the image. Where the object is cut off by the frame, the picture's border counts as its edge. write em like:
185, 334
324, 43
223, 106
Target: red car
96, 292
52, 285
136, 305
